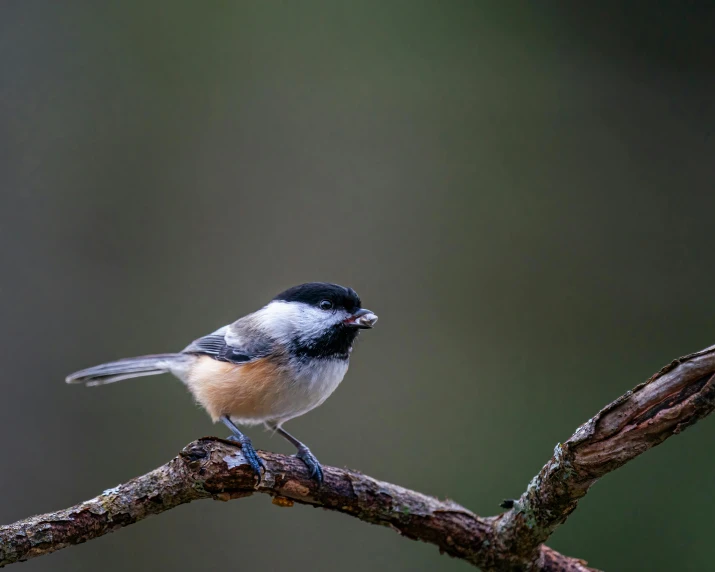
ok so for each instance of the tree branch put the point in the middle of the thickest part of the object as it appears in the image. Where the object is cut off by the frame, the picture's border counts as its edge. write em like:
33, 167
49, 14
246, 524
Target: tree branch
669, 402
673, 399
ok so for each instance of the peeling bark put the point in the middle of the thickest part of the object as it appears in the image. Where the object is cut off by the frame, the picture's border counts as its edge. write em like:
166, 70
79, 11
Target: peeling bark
673, 399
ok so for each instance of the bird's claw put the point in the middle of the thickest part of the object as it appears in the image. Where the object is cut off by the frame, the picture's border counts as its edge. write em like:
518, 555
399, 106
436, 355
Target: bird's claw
314, 467
250, 454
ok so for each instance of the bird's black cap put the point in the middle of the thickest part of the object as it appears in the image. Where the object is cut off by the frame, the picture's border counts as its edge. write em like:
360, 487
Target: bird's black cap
313, 293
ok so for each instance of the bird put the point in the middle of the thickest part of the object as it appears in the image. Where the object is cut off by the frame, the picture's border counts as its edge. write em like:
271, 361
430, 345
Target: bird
268, 367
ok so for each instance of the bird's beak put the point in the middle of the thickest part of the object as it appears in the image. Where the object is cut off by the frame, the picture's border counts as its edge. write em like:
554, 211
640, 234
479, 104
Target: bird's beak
363, 319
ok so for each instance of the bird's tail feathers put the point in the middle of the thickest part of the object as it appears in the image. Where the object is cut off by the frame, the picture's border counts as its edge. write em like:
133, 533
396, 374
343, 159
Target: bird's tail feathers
126, 369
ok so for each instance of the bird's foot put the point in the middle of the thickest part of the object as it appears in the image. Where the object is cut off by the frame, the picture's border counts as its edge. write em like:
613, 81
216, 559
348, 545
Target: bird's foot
250, 453
314, 467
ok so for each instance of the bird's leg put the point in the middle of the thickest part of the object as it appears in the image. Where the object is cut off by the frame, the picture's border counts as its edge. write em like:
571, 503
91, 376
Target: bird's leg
304, 454
246, 446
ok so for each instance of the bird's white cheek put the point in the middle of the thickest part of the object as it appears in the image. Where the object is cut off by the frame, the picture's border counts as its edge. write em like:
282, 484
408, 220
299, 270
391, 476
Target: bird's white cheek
315, 323
290, 320
279, 319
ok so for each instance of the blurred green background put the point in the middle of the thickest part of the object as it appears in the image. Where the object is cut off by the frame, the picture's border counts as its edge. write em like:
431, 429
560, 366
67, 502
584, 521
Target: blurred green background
522, 191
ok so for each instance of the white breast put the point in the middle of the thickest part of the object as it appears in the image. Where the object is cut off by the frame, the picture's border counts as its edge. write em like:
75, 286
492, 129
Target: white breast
312, 385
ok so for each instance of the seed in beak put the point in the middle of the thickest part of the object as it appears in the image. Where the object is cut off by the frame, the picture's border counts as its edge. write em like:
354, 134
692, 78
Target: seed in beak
363, 318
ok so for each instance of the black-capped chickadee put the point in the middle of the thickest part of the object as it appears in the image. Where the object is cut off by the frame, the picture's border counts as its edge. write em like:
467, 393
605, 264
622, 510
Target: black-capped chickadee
267, 367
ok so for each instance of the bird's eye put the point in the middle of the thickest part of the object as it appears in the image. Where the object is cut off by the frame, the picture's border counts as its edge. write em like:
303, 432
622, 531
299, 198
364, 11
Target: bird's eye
326, 305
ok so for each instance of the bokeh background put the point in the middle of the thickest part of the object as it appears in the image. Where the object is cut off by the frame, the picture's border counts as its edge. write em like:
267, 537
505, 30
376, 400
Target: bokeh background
522, 191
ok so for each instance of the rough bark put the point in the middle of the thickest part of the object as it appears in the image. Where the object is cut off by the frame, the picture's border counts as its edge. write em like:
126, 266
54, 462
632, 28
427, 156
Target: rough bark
676, 397
210, 468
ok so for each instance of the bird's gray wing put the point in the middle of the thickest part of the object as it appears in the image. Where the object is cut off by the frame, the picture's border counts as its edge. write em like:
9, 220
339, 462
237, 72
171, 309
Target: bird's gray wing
226, 344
